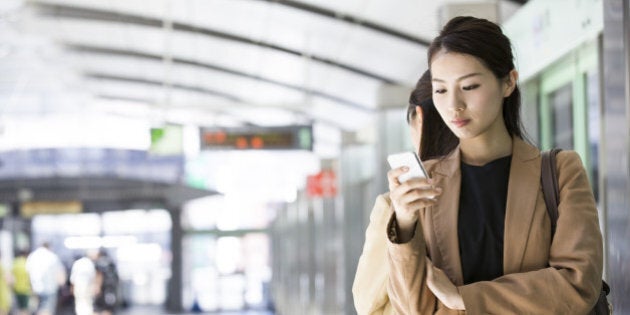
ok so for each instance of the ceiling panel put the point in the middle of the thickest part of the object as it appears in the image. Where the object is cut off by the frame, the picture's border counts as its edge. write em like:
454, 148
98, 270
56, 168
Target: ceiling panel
281, 68
413, 17
285, 29
206, 62
156, 116
390, 56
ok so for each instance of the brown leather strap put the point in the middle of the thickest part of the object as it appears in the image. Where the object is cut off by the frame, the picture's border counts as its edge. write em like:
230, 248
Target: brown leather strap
549, 181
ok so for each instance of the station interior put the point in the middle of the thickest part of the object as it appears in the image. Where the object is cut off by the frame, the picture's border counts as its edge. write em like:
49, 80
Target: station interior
226, 154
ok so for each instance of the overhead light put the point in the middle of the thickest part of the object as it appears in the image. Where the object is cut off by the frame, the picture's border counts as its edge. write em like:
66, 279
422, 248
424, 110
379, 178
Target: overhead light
89, 242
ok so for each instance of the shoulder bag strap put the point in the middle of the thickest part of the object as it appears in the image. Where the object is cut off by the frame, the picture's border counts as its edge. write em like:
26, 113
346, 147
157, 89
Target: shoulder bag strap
549, 181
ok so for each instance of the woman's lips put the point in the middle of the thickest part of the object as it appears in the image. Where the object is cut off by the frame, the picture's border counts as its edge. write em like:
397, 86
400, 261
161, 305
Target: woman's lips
460, 122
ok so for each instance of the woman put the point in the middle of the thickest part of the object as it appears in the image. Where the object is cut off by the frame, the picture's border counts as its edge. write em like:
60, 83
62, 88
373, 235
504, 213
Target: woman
476, 238
369, 288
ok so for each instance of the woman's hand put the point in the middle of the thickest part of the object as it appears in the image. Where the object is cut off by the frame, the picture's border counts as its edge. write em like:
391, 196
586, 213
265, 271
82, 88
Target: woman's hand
409, 197
443, 288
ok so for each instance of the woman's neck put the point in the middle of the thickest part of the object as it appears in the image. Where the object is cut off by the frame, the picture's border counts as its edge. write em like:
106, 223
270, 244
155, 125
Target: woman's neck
481, 150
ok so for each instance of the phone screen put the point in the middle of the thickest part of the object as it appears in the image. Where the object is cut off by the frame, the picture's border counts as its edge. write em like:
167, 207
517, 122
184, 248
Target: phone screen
411, 160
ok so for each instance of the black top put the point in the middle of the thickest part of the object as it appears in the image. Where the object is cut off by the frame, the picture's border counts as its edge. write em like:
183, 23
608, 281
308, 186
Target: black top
481, 219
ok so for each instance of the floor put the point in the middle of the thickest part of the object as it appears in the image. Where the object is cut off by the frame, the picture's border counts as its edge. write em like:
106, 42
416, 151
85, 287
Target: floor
160, 310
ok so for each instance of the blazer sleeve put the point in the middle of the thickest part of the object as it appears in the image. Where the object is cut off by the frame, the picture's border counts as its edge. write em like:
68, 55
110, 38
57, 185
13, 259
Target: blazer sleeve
407, 288
369, 288
572, 283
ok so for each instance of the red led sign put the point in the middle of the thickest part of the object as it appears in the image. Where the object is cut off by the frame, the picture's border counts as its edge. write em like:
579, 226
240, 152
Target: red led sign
258, 138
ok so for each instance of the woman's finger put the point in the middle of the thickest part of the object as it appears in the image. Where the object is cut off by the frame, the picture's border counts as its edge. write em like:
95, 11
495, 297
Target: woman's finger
392, 176
420, 204
404, 195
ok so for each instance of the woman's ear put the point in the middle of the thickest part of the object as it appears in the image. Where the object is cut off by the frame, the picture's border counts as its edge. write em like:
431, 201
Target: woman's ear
417, 123
510, 83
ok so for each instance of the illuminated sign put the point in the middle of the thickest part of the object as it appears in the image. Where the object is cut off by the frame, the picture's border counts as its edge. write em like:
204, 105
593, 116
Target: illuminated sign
167, 140
258, 138
31, 208
322, 184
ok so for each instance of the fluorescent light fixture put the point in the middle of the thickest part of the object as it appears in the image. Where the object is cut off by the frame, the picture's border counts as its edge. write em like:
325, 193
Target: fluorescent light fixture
88, 242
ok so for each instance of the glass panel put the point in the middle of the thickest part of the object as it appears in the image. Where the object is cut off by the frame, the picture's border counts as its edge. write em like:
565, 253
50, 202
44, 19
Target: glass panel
230, 263
201, 214
257, 269
592, 99
561, 102
201, 289
226, 273
140, 240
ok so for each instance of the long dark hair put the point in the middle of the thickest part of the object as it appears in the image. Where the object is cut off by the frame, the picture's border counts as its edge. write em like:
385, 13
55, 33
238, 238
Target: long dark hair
485, 41
436, 139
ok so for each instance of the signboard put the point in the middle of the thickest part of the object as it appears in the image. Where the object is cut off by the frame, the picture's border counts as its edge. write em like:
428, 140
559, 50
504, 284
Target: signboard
322, 184
31, 208
258, 138
542, 32
75, 162
167, 140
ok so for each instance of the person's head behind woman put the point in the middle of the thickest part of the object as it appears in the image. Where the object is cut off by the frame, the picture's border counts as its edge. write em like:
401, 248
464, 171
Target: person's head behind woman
484, 41
431, 124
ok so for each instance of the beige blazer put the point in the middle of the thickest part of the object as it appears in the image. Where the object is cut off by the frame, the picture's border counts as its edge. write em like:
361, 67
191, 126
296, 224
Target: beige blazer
540, 277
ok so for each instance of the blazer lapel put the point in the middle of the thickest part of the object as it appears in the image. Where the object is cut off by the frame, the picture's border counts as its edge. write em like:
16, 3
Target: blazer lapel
447, 175
523, 187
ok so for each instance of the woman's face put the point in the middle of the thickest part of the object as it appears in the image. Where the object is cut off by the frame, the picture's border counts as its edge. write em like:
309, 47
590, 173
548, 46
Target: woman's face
468, 96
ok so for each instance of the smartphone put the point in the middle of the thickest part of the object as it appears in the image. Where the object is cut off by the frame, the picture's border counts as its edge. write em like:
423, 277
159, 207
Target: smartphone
411, 160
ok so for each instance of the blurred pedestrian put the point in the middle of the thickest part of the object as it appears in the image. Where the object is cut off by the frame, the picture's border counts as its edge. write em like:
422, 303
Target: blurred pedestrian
6, 298
107, 295
21, 283
83, 280
369, 287
47, 274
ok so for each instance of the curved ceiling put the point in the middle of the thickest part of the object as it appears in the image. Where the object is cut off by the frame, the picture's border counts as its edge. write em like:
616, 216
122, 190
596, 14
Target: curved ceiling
214, 62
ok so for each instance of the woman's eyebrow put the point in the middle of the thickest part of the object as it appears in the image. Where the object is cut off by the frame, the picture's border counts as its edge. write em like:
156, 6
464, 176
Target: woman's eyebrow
458, 79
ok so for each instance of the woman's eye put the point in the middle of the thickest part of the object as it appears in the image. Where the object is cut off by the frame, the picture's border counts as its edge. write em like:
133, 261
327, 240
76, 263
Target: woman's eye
470, 87
440, 91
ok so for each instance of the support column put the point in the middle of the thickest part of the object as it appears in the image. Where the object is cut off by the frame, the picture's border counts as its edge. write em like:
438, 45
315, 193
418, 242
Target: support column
615, 149
174, 302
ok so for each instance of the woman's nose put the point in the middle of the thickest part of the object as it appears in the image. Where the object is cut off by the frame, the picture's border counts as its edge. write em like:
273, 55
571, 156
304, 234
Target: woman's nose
455, 103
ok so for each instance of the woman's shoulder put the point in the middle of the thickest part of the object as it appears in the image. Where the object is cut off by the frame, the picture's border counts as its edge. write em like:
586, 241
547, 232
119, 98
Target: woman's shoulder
569, 164
568, 157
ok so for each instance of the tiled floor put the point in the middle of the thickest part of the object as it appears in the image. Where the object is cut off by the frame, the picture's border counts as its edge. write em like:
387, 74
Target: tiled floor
160, 311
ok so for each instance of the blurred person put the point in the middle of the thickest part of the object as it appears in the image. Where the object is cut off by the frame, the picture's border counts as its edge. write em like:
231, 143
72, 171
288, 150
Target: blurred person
369, 287
83, 281
107, 296
21, 283
6, 298
47, 274
476, 237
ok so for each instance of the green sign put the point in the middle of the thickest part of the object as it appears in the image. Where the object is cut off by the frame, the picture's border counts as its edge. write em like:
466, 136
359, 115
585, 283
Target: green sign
167, 140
